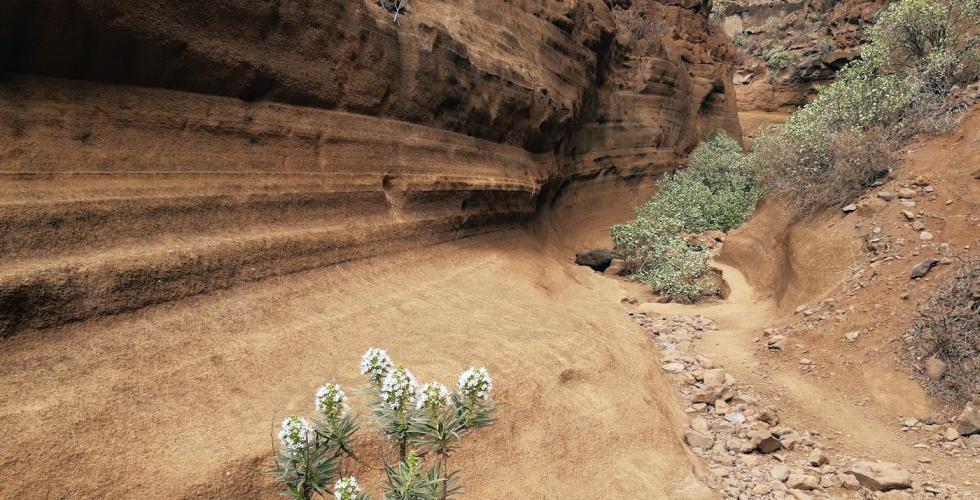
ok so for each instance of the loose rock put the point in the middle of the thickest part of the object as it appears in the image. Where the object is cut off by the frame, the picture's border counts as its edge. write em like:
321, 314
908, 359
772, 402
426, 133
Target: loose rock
969, 421
881, 476
697, 439
906, 193
935, 368
802, 482
922, 268
764, 441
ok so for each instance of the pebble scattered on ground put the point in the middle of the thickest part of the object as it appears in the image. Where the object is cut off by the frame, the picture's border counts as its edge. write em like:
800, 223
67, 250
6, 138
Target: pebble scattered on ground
752, 454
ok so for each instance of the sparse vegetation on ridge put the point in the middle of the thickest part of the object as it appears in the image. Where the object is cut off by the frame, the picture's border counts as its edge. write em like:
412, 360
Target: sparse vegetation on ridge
777, 59
426, 423
919, 50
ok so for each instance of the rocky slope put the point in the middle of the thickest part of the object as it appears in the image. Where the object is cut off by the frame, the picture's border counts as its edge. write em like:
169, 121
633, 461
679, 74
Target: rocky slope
152, 150
818, 37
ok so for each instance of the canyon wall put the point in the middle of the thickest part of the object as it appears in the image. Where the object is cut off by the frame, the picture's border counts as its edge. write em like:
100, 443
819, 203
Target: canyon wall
818, 37
155, 150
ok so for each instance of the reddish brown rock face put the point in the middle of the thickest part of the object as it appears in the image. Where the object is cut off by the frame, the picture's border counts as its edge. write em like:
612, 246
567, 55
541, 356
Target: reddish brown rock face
269, 138
819, 36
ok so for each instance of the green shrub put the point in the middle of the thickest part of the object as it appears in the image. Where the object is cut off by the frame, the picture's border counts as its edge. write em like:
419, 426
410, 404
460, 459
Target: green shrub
777, 59
717, 191
740, 40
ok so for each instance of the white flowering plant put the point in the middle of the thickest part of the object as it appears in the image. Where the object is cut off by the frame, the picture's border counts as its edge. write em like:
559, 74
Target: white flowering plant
376, 364
426, 421
410, 480
395, 406
347, 488
336, 429
303, 467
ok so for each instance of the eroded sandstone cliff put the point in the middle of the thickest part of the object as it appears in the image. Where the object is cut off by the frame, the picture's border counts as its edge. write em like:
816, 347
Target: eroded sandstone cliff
155, 150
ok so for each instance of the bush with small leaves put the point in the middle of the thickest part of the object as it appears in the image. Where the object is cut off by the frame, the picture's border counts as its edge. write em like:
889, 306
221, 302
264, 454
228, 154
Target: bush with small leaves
777, 59
717, 192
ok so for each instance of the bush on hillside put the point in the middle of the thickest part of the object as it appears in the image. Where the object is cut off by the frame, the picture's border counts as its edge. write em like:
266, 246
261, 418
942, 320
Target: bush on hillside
919, 50
717, 192
777, 59
948, 329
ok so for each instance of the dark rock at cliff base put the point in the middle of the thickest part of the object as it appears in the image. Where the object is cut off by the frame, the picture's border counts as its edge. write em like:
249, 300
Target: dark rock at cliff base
597, 258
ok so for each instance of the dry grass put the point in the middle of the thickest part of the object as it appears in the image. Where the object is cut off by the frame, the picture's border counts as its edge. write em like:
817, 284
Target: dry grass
857, 159
949, 328
640, 30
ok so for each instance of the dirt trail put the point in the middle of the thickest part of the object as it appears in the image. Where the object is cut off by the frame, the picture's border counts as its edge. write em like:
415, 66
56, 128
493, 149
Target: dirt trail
867, 430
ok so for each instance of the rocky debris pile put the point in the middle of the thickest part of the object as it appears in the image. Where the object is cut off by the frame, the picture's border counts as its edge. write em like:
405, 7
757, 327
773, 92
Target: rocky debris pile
674, 334
752, 453
957, 436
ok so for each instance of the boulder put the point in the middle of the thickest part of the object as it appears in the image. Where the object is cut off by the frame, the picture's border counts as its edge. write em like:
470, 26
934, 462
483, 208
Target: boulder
696, 439
768, 415
922, 268
714, 377
849, 208
739, 445
673, 367
779, 472
951, 434
711, 393
598, 259
881, 476
802, 482
906, 193
969, 421
935, 368
700, 424
817, 458
973, 442
764, 441
848, 481
776, 342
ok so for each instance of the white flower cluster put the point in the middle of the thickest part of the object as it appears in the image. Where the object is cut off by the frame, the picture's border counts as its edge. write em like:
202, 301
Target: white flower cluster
346, 489
331, 401
398, 389
295, 433
376, 364
432, 396
475, 383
